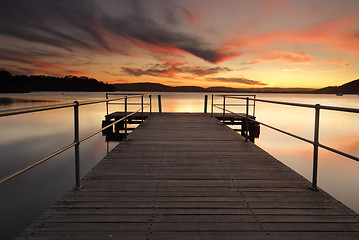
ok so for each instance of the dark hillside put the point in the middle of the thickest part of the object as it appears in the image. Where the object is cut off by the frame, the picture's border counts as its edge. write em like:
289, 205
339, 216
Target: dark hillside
23, 83
347, 88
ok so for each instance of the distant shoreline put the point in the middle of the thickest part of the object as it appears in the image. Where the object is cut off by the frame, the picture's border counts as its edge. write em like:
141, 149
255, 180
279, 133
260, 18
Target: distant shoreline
25, 84
348, 88
4, 98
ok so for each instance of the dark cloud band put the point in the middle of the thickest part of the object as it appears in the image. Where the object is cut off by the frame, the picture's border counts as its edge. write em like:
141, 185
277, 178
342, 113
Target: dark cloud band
107, 26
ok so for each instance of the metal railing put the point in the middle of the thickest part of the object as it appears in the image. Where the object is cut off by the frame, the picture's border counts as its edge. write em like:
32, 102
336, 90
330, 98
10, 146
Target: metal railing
223, 105
77, 139
224, 110
315, 141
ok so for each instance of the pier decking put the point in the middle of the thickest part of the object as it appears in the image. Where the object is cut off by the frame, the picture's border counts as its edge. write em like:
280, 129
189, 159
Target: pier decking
187, 176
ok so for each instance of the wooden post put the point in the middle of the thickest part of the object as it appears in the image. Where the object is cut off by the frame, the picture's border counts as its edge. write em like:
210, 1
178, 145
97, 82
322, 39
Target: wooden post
107, 104
159, 104
247, 119
126, 118
212, 107
150, 96
205, 103
142, 109
224, 107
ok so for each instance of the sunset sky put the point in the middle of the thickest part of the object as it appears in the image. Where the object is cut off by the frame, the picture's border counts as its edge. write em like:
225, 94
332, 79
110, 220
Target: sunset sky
233, 43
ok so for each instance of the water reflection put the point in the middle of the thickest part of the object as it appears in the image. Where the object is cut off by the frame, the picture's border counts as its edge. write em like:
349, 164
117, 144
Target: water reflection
182, 102
28, 138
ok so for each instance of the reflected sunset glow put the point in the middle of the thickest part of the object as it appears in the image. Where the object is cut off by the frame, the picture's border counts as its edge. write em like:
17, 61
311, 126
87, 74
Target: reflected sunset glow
28, 138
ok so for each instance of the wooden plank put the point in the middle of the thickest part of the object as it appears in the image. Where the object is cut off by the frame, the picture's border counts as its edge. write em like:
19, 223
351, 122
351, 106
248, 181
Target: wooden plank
191, 235
191, 218
186, 176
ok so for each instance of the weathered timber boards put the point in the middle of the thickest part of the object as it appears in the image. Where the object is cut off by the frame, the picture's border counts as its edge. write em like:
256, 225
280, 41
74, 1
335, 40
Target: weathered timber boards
186, 176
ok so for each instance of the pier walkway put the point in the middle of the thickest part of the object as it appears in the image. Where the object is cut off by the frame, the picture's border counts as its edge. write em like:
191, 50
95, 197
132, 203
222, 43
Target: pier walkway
187, 176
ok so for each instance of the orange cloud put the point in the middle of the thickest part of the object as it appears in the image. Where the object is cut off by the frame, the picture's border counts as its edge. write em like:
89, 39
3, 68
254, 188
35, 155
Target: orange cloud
47, 65
225, 54
337, 34
336, 61
174, 63
238, 80
292, 57
167, 72
171, 71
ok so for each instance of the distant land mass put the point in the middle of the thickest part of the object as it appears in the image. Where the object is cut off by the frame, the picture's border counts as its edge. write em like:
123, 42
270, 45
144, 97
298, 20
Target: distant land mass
348, 88
23, 83
157, 87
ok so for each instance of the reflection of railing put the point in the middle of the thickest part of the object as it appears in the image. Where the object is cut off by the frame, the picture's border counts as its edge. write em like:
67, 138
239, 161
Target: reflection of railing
315, 141
77, 140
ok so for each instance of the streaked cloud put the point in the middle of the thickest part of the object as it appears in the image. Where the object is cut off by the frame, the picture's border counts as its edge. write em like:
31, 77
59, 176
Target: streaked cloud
238, 80
110, 27
292, 57
168, 70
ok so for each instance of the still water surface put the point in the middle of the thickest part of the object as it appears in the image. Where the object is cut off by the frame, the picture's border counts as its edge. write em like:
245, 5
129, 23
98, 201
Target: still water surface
26, 138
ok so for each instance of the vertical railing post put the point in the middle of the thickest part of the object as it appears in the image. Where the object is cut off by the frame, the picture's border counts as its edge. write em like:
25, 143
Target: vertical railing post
159, 104
142, 108
212, 107
247, 119
150, 104
126, 118
77, 144
224, 107
315, 150
205, 103
254, 105
106, 104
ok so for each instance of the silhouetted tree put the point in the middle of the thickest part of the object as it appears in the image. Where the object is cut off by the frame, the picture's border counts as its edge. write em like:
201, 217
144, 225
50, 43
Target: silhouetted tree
23, 83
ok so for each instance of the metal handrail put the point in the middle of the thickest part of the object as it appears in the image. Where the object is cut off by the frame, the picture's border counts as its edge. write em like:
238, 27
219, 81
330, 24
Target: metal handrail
134, 104
10, 112
37, 163
110, 125
343, 109
315, 142
77, 141
234, 96
17, 111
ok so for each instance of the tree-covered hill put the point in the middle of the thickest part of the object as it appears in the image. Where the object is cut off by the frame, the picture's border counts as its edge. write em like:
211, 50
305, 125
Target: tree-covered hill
23, 83
348, 88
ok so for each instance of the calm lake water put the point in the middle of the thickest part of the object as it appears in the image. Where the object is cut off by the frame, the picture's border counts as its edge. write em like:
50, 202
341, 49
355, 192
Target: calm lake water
29, 137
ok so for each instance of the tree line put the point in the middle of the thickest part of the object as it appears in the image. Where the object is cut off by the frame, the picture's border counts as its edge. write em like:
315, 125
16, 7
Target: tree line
23, 83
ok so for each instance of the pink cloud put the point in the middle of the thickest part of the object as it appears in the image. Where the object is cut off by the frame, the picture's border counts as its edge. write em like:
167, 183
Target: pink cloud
336, 61
337, 34
293, 57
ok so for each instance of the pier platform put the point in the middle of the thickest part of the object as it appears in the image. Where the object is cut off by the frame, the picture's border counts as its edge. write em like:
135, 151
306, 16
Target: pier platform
236, 122
187, 176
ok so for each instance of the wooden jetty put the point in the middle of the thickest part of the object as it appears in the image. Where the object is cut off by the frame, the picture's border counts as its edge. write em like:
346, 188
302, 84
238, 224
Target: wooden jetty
187, 176
228, 119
